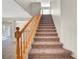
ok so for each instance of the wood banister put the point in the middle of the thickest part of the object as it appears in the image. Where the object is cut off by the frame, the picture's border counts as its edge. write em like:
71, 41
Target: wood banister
22, 48
26, 25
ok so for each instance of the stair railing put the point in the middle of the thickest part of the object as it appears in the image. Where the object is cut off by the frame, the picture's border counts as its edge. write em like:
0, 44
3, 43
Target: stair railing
24, 37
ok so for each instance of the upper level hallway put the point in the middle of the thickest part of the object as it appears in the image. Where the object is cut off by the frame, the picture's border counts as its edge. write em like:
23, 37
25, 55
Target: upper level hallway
17, 13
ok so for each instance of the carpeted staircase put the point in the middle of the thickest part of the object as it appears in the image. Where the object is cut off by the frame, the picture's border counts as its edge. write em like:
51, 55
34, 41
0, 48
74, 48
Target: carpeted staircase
46, 43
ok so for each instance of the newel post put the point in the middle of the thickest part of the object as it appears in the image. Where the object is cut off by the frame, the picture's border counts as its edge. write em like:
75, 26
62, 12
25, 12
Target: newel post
17, 36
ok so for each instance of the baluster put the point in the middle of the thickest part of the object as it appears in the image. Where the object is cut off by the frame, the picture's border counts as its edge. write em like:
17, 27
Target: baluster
21, 48
24, 41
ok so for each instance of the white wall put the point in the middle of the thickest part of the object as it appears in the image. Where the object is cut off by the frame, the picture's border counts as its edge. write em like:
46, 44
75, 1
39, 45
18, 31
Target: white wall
35, 8
55, 7
12, 9
66, 25
57, 23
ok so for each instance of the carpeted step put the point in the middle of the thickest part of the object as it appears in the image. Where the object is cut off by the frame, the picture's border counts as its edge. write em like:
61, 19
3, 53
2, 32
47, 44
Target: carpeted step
51, 58
50, 53
46, 27
46, 24
46, 34
46, 30
54, 44
50, 39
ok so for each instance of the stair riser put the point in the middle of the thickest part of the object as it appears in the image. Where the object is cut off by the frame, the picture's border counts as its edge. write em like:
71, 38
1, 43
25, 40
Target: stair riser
50, 56
46, 39
46, 27
46, 30
46, 24
45, 20
46, 34
46, 46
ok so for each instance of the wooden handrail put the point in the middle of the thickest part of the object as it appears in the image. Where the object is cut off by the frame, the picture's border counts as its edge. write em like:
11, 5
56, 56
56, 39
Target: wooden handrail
22, 48
26, 25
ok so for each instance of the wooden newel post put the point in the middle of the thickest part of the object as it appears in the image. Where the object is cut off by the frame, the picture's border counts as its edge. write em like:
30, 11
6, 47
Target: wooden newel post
17, 36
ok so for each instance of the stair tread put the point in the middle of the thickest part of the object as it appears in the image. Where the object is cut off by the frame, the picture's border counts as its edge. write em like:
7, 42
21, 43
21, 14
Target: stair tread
46, 26
46, 29
47, 43
49, 51
47, 37
46, 32
44, 39
55, 58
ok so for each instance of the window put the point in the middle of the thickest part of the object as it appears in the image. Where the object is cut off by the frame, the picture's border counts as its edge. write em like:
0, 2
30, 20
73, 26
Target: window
6, 31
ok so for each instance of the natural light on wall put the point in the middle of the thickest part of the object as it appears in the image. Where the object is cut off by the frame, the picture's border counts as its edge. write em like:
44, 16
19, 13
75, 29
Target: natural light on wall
45, 7
45, 11
6, 32
50, 6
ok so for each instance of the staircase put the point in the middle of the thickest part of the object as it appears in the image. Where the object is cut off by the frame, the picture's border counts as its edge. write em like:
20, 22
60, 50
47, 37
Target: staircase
46, 43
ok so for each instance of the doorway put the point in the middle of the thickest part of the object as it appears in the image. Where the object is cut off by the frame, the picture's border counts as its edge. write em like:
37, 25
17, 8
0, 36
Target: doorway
45, 7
